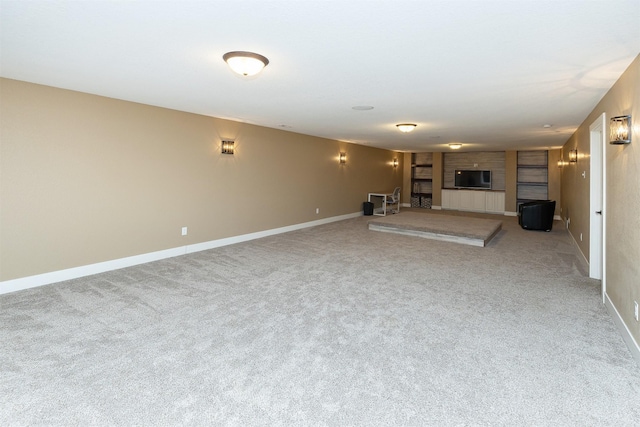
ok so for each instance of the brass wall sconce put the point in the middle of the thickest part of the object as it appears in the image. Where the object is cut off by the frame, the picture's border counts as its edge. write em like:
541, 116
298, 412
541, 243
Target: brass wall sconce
343, 157
620, 130
573, 156
228, 147
395, 162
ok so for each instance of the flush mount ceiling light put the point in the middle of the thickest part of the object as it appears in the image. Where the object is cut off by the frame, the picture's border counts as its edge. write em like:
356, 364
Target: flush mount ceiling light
455, 146
245, 63
406, 127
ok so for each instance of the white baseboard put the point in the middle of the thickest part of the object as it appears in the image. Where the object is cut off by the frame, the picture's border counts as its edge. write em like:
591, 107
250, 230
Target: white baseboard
406, 205
581, 256
436, 208
22, 283
634, 348
557, 218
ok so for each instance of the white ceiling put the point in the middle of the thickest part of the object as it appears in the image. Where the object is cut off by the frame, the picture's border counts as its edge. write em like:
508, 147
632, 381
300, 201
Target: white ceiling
488, 74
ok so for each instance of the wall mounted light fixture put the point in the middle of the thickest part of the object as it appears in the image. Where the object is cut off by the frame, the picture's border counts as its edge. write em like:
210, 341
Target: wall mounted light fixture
573, 156
395, 162
560, 163
406, 127
228, 147
620, 130
343, 157
245, 63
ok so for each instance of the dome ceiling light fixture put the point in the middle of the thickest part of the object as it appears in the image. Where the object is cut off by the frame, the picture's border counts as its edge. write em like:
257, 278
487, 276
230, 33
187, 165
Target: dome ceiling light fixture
406, 127
455, 146
245, 63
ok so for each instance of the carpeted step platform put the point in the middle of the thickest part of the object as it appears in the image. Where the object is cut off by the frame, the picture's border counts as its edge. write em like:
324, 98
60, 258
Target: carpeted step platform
458, 229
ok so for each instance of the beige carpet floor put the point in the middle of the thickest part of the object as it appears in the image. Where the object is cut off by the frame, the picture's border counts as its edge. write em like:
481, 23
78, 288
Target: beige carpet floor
334, 325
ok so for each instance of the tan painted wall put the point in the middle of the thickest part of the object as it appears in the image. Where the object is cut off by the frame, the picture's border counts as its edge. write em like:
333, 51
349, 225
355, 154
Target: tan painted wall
87, 179
554, 189
405, 195
438, 177
623, 195
511, 179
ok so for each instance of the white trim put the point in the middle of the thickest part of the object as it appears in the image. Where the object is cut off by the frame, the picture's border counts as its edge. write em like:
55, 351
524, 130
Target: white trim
582, 258
436, 208
557, 218
259, 234
22, 283
406, 205
634, 348
509, 213
597, 200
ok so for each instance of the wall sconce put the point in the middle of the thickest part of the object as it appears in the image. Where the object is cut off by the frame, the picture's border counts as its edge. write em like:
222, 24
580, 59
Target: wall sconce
560, 163
620, 130
395, 162
343, 157
228, 147
573, 156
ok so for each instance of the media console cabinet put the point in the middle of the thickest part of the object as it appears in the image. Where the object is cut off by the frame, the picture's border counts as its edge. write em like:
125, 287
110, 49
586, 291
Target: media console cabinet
489, 201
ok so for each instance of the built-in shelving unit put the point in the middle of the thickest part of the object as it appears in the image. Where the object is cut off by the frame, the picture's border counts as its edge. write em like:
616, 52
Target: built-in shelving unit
533, 176
421, 180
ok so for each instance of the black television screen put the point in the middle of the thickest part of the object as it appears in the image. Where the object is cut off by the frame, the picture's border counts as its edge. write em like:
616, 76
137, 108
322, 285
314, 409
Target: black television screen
473, 179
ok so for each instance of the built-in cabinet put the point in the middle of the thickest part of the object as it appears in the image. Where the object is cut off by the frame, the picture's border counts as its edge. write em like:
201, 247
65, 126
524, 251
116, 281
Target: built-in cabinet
473, 200
421, 180
533, 176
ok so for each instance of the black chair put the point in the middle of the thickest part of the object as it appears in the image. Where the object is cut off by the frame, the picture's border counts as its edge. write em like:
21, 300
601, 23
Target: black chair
537, 215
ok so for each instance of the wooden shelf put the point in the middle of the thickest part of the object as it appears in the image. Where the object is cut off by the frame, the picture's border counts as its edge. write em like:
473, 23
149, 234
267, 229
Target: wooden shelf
421, 179
533, 176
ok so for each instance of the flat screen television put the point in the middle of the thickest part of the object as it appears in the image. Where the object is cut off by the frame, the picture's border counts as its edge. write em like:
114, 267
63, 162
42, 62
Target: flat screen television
472, 179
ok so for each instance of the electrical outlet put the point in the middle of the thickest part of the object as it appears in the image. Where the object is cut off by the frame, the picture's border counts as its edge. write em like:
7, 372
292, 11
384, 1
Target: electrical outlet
184, 231
317, 210
635, 310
